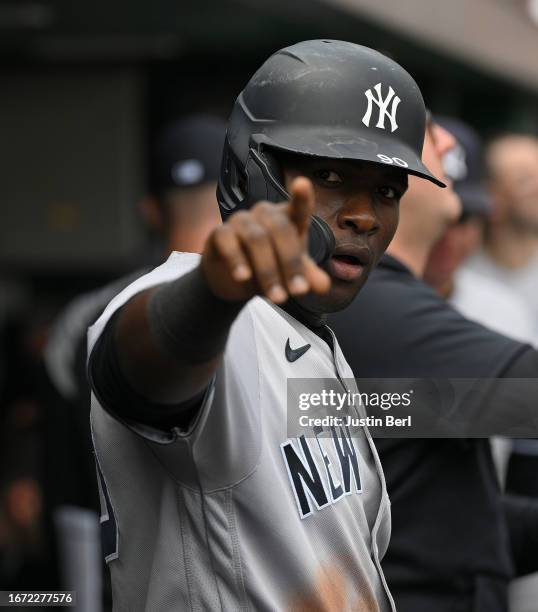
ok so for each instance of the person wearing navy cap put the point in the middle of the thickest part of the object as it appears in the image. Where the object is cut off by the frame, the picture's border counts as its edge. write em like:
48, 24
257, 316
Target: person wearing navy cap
184, 167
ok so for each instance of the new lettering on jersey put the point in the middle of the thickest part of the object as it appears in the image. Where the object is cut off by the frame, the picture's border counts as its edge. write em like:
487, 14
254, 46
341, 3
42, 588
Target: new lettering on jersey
321, 486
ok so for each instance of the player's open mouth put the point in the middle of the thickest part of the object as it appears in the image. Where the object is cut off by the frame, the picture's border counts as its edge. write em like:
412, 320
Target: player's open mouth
349, 262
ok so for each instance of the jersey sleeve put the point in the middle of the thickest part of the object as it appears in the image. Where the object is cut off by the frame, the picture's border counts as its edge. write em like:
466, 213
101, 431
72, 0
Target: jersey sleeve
174, 267
221, 445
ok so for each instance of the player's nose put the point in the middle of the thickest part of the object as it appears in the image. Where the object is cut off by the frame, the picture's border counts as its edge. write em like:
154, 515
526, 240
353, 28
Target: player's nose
358, 214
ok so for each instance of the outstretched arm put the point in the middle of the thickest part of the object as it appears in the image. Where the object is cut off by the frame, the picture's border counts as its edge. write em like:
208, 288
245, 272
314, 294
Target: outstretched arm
170, 339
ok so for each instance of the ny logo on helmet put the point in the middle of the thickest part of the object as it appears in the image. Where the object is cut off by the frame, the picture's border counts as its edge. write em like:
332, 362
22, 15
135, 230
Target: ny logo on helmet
383, 107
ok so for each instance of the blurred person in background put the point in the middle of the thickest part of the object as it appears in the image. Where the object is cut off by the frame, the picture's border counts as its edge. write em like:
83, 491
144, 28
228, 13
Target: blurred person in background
184, 168
480, 298
450, 545
510, 255
181, 210
510, 252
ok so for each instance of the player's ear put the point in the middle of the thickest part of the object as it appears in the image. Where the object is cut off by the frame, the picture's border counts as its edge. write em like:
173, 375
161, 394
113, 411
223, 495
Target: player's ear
152, 213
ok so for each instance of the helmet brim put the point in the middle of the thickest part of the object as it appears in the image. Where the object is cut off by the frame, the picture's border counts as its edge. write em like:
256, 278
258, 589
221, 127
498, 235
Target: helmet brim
349, 145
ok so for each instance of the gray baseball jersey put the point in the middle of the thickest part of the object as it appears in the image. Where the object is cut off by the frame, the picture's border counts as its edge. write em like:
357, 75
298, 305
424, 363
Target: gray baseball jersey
233, 514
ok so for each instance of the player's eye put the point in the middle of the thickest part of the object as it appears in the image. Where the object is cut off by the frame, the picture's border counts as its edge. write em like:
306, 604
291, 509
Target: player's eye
329, 177
389, 193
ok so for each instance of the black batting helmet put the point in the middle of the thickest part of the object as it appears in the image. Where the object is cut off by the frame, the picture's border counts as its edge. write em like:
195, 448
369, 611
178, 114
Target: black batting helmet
324, 98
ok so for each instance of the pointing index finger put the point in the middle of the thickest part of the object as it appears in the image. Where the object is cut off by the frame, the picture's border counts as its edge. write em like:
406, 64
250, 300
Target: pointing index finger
301, 205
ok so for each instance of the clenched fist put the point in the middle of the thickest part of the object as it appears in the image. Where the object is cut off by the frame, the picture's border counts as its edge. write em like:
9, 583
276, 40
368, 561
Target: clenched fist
263, 251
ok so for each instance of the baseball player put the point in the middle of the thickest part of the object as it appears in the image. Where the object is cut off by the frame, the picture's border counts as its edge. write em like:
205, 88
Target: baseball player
208, 503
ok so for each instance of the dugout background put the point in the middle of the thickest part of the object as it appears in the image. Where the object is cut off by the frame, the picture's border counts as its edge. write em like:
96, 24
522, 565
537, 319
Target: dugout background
86, 84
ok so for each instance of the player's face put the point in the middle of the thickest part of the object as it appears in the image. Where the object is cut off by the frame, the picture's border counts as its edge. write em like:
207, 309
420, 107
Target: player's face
360, 202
